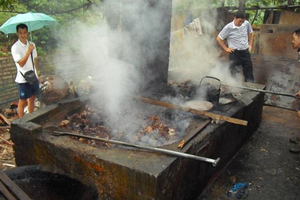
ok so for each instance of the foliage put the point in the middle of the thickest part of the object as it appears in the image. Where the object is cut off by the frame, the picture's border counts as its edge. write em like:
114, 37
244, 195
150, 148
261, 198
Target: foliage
187, 6
89, 12
64, 11
180, 5
6, 41
7, 5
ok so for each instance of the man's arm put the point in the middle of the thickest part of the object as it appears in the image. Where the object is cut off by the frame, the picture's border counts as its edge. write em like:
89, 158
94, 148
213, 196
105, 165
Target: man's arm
223, 45
23, 60
250, 40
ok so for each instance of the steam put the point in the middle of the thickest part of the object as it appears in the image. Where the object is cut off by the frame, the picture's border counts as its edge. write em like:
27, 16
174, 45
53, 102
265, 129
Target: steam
113, 61
199, 55
111, 56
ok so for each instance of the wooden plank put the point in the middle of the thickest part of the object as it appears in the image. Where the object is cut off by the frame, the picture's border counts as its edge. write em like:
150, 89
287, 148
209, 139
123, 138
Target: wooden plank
4, 191
197, 112
5, 119
17, 191
8, 142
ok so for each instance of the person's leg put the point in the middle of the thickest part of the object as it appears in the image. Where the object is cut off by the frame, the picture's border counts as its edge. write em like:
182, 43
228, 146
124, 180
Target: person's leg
31, 104
35, 88
21, 105
247, 67
234, 63
24, 94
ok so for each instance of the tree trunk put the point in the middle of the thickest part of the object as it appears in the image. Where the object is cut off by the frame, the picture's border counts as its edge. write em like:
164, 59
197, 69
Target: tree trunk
290, 2
242, 5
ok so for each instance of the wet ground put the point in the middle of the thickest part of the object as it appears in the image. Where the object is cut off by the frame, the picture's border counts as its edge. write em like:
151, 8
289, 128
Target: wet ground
265, 163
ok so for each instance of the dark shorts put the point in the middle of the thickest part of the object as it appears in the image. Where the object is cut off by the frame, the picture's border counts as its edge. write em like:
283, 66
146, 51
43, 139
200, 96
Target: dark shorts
26, 90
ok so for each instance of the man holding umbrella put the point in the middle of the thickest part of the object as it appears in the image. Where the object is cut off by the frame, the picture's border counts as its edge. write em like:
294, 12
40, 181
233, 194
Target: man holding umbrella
24, 55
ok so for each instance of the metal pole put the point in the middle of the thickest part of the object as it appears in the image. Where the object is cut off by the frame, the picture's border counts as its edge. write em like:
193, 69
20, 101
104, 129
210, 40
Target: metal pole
166, 151
264, 91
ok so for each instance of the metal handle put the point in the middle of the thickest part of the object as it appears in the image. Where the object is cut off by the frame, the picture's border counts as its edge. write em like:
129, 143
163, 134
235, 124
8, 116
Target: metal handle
211, 78
166, 151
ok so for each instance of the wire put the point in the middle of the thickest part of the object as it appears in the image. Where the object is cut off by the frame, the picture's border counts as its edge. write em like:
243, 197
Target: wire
87, 5
254, 18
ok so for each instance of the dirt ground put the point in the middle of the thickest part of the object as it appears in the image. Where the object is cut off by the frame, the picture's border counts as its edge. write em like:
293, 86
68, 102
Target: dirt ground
265, 163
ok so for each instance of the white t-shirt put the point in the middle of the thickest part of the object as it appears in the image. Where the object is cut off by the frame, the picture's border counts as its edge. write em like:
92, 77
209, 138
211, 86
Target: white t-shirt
18, 50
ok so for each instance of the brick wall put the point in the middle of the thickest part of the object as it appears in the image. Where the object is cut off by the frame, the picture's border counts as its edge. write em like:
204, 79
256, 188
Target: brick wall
8, 87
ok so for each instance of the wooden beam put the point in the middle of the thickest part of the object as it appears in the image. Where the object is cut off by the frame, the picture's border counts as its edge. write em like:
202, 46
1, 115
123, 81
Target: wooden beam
5, 192
197, 112
14, 188
5, 119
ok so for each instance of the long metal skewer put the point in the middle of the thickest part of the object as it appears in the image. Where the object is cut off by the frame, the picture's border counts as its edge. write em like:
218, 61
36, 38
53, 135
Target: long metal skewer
264, 91
214, 162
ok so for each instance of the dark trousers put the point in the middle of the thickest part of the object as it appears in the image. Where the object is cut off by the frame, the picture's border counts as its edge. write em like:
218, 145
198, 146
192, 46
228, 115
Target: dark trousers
242, 58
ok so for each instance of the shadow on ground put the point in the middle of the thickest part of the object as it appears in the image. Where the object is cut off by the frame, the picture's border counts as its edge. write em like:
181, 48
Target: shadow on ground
265, 163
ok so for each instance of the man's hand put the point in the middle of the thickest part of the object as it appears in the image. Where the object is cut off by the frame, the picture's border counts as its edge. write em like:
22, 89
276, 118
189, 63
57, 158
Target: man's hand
23, 61
224, 46
297, 95
229, 50
250, 48
30, 48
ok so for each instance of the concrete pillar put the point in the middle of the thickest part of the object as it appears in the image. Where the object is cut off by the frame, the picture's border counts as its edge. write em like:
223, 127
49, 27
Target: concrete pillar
148, 24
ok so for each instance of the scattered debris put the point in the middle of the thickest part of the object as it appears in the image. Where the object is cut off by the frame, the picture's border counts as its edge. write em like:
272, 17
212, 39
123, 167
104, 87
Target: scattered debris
7, 115
53, 89
92, 122
239, 191
4, 121
6, 141
9, 165
295, 148
181, 144
84, 87
186, 88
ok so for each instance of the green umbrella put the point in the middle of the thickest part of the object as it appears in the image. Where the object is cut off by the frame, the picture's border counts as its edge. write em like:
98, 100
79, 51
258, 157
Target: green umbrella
34, 21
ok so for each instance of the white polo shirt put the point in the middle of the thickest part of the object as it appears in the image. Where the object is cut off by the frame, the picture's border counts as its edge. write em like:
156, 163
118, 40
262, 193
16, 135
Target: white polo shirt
18, 50
237, 37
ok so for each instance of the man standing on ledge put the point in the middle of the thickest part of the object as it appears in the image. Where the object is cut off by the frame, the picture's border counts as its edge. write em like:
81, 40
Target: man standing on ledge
296, 45
24, 55
239, 35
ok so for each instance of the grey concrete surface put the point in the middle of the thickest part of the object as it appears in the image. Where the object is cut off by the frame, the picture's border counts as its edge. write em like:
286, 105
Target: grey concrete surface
265, 163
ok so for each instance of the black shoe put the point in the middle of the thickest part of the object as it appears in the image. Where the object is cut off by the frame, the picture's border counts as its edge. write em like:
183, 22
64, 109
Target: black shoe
295, 148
